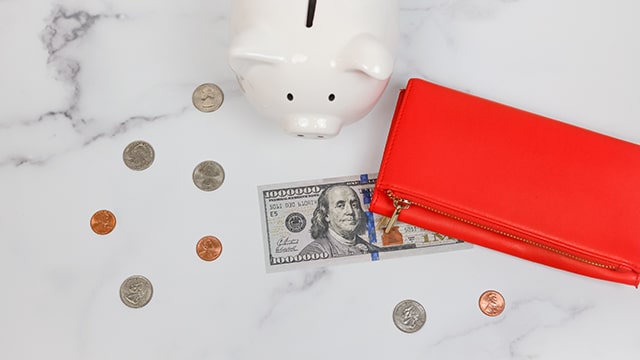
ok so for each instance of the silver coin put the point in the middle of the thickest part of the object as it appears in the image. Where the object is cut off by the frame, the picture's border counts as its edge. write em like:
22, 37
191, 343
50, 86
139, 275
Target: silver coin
208, 175
138, 155
136, 291
409, 316
207, 97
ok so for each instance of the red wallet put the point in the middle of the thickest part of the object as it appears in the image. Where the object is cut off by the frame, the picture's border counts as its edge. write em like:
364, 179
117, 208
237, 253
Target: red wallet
512, 181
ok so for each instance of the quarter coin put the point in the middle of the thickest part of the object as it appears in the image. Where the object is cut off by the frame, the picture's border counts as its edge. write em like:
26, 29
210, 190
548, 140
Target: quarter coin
491, 303
138, 155
208, 175
136, 291
209, 248
207, 97
409, 316
102, 222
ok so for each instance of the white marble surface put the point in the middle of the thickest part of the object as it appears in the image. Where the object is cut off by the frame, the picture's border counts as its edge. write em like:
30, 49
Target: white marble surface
80, 79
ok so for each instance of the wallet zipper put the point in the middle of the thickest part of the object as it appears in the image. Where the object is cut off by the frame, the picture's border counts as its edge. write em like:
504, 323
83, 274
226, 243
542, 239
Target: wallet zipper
402, 204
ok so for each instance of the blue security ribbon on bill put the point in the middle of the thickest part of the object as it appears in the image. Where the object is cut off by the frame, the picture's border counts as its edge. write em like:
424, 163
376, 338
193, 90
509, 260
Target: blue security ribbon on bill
371, 226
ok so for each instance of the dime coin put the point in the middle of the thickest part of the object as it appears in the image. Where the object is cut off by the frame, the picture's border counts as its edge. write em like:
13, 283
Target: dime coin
209, 248
138, 155
136, 291
491, 303
409, 316
103, 222
208, 175
207, 97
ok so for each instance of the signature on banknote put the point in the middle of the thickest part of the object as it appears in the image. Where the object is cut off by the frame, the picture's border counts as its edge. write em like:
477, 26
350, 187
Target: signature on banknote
324, 222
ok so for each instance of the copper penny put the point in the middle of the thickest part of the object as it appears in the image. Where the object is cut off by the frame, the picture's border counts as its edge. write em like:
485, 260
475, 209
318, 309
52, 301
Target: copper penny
103, 222
209, 248
491, 303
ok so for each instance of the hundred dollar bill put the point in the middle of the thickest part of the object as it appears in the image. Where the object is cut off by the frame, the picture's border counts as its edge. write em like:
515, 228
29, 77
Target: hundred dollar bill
326, 222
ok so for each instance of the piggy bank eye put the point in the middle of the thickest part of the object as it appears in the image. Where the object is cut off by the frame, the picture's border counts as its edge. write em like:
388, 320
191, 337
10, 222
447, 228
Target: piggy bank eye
290, 96
332, 97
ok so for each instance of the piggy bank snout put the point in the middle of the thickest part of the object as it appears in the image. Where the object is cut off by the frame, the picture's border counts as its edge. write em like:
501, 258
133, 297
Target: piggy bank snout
310, 125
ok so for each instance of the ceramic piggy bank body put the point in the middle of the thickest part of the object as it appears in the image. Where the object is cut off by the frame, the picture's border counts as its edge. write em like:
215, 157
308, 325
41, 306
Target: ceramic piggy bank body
313, 65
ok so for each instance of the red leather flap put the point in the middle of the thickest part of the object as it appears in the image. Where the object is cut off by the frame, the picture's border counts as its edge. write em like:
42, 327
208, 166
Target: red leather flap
516, 171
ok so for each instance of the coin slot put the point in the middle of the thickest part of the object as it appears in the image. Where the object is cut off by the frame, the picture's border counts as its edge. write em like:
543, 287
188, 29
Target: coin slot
300, 135
290, 96
311, 12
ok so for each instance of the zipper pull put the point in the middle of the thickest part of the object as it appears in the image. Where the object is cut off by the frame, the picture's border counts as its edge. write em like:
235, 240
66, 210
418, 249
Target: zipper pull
400, 205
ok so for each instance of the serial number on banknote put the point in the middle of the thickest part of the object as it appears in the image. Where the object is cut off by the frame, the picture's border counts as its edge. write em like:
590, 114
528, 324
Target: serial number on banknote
327, 221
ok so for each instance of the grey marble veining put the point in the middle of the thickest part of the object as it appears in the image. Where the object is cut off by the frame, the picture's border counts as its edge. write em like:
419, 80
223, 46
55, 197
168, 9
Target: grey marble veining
81, 79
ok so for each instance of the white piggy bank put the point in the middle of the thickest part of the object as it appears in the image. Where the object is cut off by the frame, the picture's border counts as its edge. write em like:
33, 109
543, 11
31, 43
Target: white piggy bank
313, 65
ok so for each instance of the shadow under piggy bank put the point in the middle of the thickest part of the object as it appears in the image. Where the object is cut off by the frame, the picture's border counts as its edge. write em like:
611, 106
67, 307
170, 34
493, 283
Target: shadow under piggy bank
313, 66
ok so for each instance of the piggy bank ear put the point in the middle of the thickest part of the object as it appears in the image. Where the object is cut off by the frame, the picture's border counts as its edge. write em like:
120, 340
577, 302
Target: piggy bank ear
366, 54
252, 47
